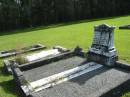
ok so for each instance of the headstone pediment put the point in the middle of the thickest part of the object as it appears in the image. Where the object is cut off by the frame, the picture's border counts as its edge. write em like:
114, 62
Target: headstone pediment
104, 28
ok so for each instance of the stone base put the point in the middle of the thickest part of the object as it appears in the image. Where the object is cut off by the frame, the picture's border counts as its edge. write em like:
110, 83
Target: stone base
105, 60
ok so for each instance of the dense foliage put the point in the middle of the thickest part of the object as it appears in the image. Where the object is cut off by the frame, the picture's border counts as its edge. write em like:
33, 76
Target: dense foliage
16, 14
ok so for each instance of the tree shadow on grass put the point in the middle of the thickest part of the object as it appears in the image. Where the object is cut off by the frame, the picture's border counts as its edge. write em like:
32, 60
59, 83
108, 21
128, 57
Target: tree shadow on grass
3, 72
8, 87
56, 25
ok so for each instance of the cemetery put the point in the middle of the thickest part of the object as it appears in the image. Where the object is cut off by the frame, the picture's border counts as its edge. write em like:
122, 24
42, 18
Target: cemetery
61, 72
64, 48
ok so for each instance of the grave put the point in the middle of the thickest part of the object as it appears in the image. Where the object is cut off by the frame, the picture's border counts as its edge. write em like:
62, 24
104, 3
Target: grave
125, 27
33, 57
13, 52
72, 74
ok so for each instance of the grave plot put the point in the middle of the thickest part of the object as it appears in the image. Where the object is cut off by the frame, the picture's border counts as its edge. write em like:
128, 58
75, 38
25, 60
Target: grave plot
12, 52
22, 60
24, 75
94, 82
68, 76
125, 27
75, 73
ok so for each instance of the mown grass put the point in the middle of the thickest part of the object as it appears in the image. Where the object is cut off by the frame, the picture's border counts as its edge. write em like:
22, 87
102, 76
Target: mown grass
66, 35
126, 95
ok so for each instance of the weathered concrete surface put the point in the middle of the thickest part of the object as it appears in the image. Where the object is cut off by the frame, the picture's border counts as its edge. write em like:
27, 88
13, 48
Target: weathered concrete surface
13, 52
92, 84
53, 68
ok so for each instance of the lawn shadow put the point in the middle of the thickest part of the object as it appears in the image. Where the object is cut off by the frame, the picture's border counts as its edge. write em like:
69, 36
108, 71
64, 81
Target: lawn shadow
25, 30
9, 87
3, 71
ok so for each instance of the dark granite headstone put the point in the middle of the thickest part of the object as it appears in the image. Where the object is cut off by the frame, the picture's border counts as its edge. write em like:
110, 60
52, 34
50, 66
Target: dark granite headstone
102, 49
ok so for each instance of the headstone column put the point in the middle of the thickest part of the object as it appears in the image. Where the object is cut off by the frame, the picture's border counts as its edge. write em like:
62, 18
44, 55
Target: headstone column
102, 49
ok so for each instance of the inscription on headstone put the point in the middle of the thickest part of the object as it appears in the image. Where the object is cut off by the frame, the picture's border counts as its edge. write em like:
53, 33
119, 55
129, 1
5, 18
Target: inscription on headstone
102, 49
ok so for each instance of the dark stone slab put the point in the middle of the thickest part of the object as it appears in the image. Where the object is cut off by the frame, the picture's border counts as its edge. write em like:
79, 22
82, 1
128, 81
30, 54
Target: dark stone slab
127, 27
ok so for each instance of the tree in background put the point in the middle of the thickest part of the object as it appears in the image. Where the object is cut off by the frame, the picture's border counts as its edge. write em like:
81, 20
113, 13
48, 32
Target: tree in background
16, 14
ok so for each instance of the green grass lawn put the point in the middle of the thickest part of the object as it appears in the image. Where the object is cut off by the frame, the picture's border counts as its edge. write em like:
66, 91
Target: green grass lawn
67, 35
